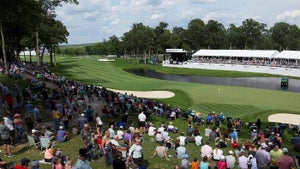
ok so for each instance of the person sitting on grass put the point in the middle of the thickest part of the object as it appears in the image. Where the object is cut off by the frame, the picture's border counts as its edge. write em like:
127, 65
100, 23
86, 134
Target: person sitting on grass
180, 151
62, 135
118, 163
204, 164
83, 162
195, 163
23, 164
49, 153
161, 151
185, 162
222, 163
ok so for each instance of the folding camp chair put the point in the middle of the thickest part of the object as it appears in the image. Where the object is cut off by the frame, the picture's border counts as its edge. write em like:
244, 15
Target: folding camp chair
32, 142
44, 141
123, 150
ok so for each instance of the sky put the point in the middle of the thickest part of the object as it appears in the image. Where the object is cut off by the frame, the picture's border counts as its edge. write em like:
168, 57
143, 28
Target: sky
95, 20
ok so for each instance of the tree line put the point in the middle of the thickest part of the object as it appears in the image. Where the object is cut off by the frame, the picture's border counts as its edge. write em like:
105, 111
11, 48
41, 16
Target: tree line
30, 24
143, 40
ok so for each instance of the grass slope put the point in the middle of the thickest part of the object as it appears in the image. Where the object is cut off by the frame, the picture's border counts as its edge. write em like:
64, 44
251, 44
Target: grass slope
247, 103
239, 101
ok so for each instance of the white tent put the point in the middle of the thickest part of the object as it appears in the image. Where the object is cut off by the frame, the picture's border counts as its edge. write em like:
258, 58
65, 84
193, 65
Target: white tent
288, 54
236, 53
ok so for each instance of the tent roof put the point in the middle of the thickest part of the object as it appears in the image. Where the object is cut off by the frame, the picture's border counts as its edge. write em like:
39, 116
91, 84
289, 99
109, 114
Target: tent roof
288, 54
237, 53
175, 51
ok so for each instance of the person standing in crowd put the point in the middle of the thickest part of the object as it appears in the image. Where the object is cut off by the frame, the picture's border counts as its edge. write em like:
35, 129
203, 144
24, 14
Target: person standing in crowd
18, 123
90, 114
275, 153
82, 121
86, 139
285, 161
5, 136
83, 162
111, 131
263, 157
142, 122
107, 148
136, 152
99, 123
56, 117
9, 123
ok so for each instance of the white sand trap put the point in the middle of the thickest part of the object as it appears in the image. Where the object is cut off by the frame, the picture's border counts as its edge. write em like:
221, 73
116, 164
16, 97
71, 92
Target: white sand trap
285, 118
147, 94
106, 60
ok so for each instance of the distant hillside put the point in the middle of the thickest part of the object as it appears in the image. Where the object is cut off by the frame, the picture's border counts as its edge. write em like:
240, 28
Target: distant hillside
76, 45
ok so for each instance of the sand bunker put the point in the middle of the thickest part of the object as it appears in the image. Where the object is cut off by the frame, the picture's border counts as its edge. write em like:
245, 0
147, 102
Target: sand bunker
106, 60
285, 118
147, 94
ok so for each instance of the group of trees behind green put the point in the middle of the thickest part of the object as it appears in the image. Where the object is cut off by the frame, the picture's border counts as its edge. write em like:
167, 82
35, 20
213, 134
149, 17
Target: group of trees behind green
30, 24
143, 40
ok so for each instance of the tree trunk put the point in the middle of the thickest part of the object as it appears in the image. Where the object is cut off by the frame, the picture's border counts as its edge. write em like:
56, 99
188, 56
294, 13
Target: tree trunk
145, 57
3, 50
54, 56
24, 56
51, 56
37, 49
30, 57
42, 55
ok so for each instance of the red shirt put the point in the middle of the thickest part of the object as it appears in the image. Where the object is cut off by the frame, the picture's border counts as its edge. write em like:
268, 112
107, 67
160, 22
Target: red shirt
18, 166
285, 162
221, 165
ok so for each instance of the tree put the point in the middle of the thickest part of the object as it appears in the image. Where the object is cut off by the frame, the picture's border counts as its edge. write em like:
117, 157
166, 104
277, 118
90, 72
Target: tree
252, 32
139, 39
16, 22
52, 32
177, 37
195, 34
116, 45
161, 37
47, 7
216, 34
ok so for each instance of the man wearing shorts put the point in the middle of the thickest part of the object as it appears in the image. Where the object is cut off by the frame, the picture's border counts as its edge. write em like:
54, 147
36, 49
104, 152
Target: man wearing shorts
142, 122
5, 136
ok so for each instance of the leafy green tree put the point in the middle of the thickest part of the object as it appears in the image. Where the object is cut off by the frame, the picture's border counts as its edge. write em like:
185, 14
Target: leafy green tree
177, 37
161, 37
216, 34
195, 35
252, 32
286, 36
52, 32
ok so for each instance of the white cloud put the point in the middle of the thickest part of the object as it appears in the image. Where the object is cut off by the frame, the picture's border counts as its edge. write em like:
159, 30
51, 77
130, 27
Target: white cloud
116, 21
288, 14
95, 20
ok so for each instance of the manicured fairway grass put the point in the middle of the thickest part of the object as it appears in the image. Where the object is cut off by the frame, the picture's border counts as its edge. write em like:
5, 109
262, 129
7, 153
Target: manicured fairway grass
233, 101
247, 103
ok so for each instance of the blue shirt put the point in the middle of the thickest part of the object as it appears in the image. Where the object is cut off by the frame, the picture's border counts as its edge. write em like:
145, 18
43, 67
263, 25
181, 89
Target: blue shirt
28, 108
80, 164
61, 135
